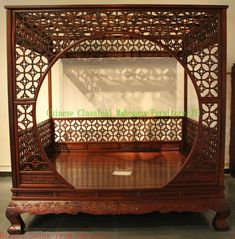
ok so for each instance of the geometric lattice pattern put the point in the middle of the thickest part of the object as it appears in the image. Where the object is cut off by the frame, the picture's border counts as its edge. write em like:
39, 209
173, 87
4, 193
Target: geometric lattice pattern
29, 152
30, 66
62, 28
45, 133
190, 131
118, 129
204, 67
210, 114
24, 116
205, 159
41, 35
115, 44
205, 151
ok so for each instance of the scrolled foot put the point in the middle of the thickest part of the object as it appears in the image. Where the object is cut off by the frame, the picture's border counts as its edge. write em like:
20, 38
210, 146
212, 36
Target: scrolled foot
17, 224
219, 221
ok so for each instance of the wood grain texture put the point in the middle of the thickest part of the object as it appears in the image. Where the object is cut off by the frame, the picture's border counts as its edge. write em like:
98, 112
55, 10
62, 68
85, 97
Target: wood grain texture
94, 170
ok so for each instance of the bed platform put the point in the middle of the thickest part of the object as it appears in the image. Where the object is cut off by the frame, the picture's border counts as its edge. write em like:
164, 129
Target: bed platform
119, 170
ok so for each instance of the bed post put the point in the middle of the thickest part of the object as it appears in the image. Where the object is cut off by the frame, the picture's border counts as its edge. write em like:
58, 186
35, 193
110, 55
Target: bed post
223, 209
49, 94
232, 129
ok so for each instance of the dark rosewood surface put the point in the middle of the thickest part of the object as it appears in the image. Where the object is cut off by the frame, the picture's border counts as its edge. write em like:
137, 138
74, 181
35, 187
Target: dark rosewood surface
94, 170
232, 130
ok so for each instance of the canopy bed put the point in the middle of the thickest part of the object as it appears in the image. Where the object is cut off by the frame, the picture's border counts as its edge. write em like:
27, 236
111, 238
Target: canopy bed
66, 165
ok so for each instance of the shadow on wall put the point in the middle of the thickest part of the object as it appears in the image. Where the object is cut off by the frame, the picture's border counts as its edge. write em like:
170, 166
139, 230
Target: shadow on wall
130, 83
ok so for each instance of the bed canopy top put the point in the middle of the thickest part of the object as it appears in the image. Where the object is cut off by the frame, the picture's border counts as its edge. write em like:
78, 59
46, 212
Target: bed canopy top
149, 29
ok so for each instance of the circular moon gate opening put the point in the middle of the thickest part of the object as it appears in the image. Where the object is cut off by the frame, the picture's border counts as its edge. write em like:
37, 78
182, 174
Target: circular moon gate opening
119, 122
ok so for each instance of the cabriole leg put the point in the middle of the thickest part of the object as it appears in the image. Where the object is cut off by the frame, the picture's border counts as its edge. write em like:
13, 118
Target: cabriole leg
222, 213
17, 224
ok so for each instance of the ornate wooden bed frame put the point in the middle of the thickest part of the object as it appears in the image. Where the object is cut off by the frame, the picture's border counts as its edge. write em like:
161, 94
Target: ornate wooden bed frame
38, 36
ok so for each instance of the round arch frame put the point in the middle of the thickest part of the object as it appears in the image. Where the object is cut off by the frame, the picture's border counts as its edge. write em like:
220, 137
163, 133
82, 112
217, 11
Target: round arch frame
134, 35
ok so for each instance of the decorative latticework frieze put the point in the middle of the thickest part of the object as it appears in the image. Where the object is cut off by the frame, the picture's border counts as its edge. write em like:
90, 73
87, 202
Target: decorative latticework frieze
50, 32
118, 129
114, 46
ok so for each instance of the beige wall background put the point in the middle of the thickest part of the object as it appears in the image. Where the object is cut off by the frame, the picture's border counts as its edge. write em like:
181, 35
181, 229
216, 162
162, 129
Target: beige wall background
138, 86
4, 126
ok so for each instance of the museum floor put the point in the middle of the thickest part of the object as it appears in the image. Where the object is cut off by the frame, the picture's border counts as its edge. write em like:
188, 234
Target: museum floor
148, 226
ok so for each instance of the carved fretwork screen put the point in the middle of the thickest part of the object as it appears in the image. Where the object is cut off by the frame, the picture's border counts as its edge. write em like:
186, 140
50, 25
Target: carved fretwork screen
118, 129
192, 35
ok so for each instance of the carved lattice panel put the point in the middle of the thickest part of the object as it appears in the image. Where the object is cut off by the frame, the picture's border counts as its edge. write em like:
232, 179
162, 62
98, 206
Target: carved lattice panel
205, 154
118, 129
191, 127
45, 133
28, 37
25, 116
204, 67
210, 115
30, 157
112, 44
45, 34
203, 36
30, 66
60, 29
208, 149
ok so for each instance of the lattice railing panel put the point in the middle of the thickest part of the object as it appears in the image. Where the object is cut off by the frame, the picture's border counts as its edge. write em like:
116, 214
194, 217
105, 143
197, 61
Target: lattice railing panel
30, 157
45, 133
190, 132
117, 129
205, 151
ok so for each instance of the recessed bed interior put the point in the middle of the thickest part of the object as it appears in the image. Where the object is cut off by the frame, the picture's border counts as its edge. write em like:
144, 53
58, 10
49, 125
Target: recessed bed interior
119, 170
90, 165
114, 149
